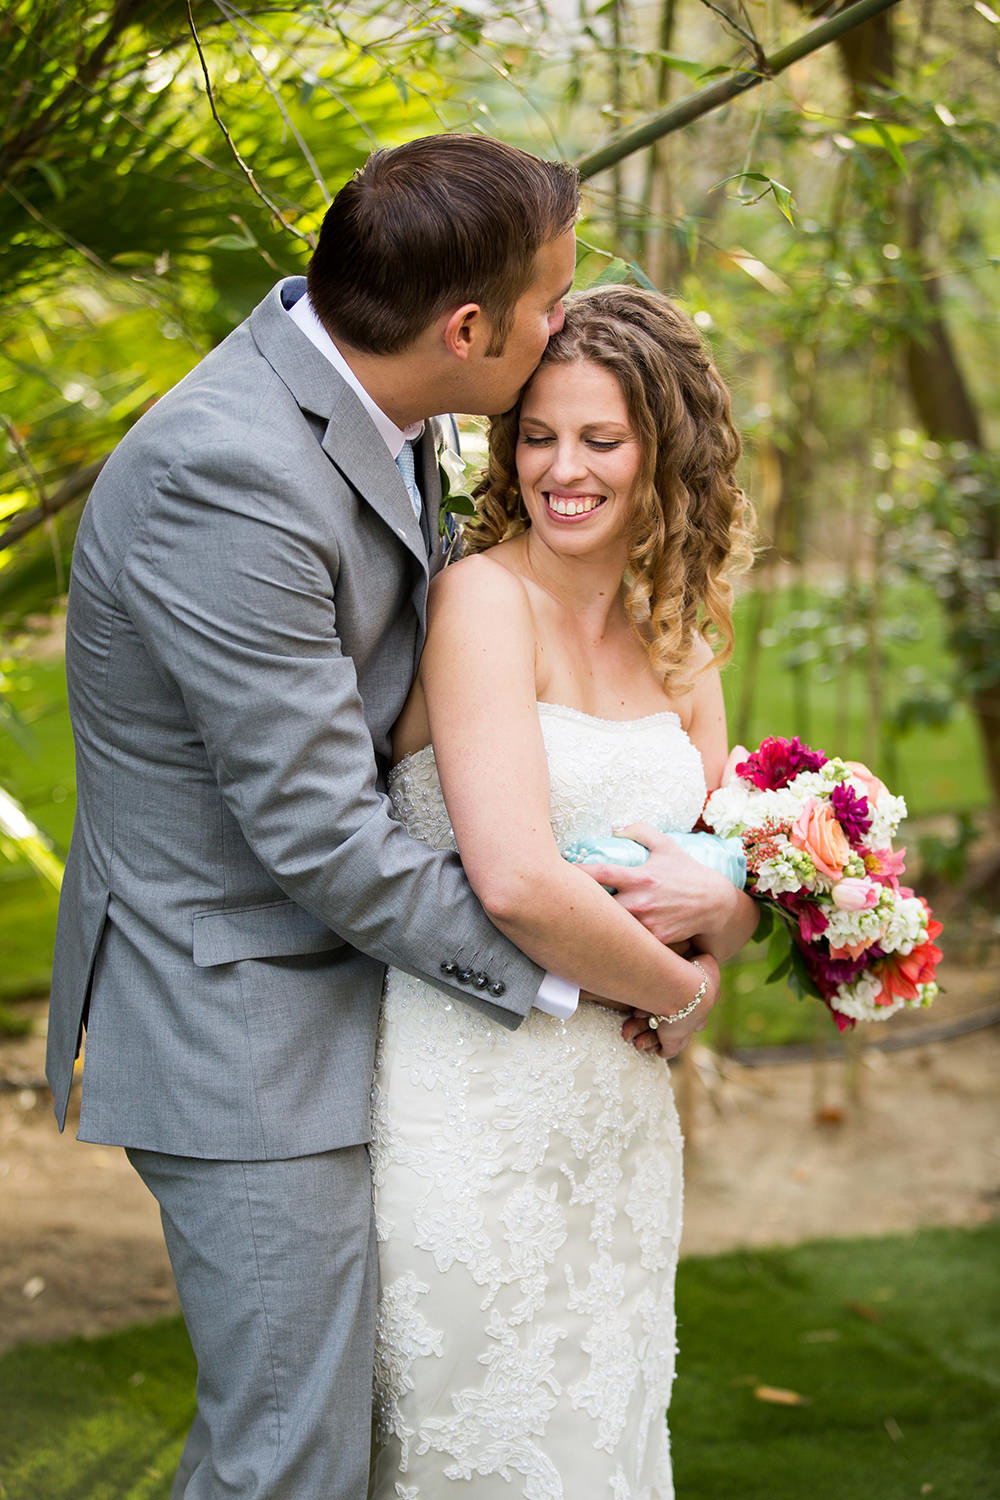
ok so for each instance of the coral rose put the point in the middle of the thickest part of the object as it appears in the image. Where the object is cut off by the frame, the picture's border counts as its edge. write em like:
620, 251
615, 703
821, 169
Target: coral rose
818, 833
851, 950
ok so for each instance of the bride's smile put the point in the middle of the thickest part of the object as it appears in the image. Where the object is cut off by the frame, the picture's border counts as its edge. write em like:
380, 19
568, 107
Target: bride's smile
572, 506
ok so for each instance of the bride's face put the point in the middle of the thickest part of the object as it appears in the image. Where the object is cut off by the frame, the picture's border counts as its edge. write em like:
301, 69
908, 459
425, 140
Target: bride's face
578, 457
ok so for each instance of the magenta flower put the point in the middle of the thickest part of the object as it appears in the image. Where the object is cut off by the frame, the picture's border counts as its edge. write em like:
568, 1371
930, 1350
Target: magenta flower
851, 812
778, 761
812, 922
830, 973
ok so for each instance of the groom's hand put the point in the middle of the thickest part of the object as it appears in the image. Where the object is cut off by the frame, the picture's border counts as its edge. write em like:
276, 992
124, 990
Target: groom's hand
674, 896
668, 1039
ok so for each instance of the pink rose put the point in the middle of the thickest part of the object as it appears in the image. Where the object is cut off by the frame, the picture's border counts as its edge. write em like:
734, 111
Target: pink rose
855, 893
866, 784
817, 831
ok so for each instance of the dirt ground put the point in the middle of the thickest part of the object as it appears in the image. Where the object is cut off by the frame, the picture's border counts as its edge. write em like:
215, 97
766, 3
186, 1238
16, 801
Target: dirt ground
80, 1245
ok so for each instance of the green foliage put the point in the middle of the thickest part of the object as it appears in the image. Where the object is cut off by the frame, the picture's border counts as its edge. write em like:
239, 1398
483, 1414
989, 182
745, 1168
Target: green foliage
782, 195
138, 230
813, 680
945, 522
784, 959
36, 767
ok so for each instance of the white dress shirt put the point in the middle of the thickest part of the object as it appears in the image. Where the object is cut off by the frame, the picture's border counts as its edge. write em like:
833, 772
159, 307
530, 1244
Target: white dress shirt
556, 996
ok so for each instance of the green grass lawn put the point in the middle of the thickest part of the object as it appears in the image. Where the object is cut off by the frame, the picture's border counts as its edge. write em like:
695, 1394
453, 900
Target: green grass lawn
890, 1346
893, 1346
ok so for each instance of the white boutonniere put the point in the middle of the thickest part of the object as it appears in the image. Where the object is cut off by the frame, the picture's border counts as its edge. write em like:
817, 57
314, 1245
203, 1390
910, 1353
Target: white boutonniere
455, 501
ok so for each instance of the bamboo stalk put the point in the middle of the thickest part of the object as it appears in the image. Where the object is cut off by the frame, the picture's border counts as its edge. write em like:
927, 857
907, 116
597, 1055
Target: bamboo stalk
664, 122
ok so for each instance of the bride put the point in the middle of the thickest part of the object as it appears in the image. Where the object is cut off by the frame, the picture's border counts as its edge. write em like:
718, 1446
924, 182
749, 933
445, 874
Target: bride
528, 1183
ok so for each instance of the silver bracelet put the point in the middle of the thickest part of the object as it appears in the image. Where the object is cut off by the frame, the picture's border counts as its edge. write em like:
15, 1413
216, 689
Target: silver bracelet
685, 1010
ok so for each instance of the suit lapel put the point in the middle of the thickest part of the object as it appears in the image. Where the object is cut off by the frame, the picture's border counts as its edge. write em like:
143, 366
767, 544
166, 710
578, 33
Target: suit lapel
350, 440
353, 444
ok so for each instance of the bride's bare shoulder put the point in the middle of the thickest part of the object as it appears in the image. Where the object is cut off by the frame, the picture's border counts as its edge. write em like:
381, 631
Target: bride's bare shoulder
484, 583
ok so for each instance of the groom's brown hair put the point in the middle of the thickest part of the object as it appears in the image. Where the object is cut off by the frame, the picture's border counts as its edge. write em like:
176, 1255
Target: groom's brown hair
429, 225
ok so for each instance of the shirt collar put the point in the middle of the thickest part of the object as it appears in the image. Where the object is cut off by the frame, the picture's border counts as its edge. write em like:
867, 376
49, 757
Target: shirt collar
303, 315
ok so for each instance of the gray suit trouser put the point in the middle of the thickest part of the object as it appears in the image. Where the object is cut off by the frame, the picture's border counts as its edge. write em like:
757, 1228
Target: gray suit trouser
276, 1268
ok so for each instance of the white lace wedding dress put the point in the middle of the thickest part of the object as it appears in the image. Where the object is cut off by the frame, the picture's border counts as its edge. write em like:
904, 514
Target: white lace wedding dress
528, 1195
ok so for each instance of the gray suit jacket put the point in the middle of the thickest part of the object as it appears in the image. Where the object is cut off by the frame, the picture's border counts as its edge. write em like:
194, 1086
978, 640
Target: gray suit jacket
246, 615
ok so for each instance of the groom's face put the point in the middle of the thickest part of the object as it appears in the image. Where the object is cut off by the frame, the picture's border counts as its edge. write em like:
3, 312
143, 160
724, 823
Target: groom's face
537, 315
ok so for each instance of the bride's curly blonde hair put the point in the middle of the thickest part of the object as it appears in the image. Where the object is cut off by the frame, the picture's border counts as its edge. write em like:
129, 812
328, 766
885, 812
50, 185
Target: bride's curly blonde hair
692, 525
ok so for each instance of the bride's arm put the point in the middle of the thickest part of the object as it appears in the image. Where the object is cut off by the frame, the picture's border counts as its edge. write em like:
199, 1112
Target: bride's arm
477, 674
675, 897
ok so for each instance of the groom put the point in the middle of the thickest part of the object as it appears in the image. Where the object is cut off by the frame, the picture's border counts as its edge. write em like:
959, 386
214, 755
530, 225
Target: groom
246, 614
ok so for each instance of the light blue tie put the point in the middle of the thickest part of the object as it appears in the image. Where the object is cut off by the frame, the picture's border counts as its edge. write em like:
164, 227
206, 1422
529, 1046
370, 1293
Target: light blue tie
406, 467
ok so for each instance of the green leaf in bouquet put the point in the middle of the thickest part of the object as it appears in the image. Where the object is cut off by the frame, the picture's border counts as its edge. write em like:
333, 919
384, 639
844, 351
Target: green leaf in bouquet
765, 924
778, 946
800, 980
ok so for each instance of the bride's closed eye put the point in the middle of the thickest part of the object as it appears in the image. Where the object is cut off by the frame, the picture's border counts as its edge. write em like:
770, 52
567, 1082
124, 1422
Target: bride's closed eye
539, 440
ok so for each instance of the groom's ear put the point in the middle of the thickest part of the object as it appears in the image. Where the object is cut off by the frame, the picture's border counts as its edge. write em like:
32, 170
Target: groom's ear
464, 330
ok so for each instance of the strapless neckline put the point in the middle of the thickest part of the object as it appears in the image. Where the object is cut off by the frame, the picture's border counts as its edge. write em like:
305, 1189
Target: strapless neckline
564, 711
559, 711
603, 774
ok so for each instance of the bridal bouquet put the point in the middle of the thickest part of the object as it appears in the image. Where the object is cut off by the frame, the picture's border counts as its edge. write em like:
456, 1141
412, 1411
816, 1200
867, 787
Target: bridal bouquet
817, 833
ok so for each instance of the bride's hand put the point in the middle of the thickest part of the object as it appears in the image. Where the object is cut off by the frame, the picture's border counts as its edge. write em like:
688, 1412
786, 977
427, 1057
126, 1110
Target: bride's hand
674, 896
668, 1039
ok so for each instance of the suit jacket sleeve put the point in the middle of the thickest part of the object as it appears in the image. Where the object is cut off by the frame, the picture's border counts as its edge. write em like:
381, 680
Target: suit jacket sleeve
234, 594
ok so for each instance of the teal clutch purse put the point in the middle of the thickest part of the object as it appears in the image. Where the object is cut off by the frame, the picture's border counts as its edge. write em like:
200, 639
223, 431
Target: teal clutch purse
726, 856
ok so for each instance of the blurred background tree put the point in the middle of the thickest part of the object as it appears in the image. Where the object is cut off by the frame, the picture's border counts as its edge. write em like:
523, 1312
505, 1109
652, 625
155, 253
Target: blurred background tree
831, 226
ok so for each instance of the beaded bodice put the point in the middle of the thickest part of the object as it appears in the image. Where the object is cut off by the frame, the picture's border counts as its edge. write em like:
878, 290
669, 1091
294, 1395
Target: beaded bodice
603, 773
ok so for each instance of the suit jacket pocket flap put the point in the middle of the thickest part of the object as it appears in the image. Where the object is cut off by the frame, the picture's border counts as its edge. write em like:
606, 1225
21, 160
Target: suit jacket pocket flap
277, 929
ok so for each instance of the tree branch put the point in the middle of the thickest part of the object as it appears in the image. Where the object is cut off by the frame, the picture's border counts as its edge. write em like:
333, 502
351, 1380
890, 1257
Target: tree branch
664, 122
309, 239
70, 490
